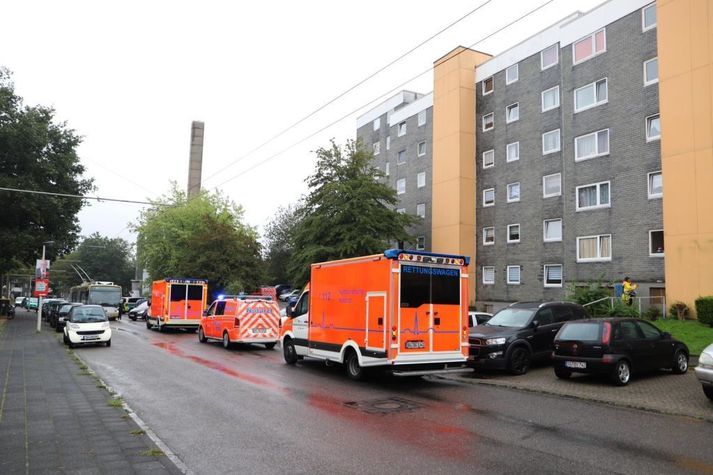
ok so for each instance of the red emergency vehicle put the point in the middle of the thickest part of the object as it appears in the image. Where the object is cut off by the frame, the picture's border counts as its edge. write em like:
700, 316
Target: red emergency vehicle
403, 310
241, 319
177, 303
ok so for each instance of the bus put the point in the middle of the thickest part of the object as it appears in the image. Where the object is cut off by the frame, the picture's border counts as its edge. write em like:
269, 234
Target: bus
105, 294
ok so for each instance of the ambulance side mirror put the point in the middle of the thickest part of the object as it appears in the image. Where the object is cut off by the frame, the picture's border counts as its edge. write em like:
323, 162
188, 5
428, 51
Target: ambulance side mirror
289, 312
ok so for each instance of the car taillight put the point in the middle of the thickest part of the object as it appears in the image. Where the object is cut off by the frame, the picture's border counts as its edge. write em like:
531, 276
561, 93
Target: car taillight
606, 333
393, 333
237, 322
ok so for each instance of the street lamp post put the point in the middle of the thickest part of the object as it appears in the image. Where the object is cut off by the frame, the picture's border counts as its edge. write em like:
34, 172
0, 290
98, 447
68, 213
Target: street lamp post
39, 303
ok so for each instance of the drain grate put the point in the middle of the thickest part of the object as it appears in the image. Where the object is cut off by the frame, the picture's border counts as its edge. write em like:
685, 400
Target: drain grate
384, 406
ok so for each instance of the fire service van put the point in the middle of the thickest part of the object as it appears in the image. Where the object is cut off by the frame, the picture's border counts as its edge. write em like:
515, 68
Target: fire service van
406, 311
241, 319
177, 303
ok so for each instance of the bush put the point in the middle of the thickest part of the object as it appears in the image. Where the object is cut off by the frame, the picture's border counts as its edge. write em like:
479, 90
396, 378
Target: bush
621, 310
653, 314
590, 293
704, 310
678, 310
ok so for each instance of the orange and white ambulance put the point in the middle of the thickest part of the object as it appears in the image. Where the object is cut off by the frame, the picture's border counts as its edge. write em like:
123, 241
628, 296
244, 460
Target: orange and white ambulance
177, 303
403, 310
241, 319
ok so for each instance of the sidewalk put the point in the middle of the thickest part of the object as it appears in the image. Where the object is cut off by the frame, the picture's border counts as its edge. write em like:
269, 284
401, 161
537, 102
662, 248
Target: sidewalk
55, 416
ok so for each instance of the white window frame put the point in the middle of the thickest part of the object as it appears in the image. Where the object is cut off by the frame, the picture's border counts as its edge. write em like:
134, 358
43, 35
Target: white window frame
646, 124
653, 196
388, 142
519, 233
421, 118
594, 45
542, 98
648, 82
485, 204
398, 154
559, 140
485, 232
507, 152
597, 153
596, 102
420, 179
493, 123
418, 148
544, 276
401, 129
492, 80
377, 123
516, 106
507, 192
519, 275
401, 180
542, 57
656, 254
376, 148
514, 67
544, 230
599, 248
489, 152
643, 17
421, 243
387, 169
486, 269
420, 206
599, 196
544, 188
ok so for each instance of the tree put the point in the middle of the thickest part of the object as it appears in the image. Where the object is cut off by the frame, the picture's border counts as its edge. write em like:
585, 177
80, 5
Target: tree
203, 237
348, 212
36, 153
279, 245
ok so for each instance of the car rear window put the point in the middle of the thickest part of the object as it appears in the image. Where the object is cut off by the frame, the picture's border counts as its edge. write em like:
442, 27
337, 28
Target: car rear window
580, 332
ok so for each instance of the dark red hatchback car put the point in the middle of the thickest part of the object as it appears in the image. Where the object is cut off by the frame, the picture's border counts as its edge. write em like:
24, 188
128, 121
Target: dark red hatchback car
616, 347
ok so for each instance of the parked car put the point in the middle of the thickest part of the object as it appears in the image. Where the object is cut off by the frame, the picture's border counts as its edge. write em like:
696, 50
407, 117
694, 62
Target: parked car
87, 324
704, 371
616, 347
31, 303
19, 301
139, 311
282, 288
46, 303
61, 315
478, 318
287, 295
520, 333
52, 310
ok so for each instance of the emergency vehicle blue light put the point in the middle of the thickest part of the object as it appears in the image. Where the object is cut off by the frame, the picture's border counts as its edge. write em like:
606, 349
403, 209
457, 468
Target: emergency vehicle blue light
395, 253
221, 297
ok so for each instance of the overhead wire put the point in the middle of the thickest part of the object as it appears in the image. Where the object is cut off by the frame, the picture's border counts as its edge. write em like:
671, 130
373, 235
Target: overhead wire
99, 199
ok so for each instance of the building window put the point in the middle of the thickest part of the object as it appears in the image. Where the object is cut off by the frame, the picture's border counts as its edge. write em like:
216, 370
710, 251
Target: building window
487, 86
512, 151
553, 275
513, 233
512, 112
591, 145
489, 197
401, 186
552, 230
651, 71
401, 157
656, 243
511, 74
549, 57
648, 17
488, 121
402, 129
377, 148
551, 142
489, 159
655, 185
377, 123
421, 149
552, 185
653, 128
593, 196
421, 179
421, 118
388, 142
401, 210
594, 248
551, 98
488, 236
513, 275
589, 46
386, 170
591, 95
421, 243
421, 210
488, 275
513, 192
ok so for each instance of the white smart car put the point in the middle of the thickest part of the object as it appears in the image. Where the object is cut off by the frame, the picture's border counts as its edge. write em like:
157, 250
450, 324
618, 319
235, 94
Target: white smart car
87, 324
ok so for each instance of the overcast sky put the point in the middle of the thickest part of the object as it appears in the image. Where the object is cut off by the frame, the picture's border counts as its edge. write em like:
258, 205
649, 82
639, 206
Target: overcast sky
130, 76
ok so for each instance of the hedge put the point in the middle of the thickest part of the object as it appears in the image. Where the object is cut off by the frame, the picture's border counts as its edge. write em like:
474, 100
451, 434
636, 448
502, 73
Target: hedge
704, 310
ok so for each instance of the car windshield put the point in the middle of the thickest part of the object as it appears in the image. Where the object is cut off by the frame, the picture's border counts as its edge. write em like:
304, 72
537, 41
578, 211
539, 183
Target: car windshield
511, 317
108, 296
88, 314
580, 332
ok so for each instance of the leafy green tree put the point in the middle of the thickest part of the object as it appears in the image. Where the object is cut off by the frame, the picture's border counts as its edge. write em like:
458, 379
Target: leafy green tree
36, 153
348, 212
279, 245
203, 237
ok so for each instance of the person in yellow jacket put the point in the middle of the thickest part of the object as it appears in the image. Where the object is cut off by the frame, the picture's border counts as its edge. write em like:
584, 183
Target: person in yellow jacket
628, 291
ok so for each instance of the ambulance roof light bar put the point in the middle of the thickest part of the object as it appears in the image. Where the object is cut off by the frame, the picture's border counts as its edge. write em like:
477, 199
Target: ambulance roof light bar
426, 257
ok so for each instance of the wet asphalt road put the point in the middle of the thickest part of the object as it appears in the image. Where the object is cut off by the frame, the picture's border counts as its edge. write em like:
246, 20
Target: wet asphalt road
244, 410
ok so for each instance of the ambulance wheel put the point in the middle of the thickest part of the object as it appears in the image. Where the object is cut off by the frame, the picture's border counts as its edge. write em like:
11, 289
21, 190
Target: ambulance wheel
201, 335
270, 346
226, 341
354, 370
289, 351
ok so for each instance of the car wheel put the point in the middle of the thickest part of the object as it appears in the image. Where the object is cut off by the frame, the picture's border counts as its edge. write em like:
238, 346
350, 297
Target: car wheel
270, 346
289, 351
148, 324
226, 341
132, 318
65, 339
354, 369
708, 391
69, 343
562, 373
519, 361
680, 362
57, 329
622, 373
108, 343
201, 335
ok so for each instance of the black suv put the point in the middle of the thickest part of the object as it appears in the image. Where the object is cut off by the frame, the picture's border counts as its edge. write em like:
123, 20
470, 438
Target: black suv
520, 333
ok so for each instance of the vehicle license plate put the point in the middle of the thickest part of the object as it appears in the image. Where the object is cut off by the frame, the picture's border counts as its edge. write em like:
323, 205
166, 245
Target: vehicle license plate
90, 337
575, 364
258, 330
415, 344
